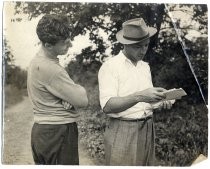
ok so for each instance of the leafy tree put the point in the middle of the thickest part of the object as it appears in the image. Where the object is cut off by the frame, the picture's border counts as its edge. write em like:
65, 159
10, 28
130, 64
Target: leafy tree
13, 74
169, 65
89, 18
8, 60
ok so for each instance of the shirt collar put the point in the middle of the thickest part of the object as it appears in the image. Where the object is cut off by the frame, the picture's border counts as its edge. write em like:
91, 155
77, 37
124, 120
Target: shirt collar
128, 61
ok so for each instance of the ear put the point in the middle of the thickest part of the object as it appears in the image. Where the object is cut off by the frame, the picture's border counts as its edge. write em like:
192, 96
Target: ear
48, 45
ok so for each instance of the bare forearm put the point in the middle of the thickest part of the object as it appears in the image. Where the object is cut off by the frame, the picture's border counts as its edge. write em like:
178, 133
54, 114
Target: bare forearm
81, 99
77, 96
119, 104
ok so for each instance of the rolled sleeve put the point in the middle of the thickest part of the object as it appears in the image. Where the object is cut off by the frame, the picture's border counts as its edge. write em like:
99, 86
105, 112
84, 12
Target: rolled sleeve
108, 84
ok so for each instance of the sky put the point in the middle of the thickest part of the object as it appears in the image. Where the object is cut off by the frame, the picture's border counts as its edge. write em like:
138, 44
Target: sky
23, 40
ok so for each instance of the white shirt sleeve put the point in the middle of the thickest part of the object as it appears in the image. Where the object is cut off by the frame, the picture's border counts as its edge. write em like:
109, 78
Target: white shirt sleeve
108, 84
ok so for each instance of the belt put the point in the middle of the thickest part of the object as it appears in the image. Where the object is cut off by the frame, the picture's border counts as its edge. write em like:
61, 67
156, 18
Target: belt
135, 120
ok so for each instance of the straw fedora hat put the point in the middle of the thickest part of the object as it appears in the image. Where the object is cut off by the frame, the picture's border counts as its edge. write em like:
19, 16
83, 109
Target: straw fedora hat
134, 31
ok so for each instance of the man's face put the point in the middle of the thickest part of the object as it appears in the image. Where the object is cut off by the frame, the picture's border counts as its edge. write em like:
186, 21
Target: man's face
136, 52
62, 47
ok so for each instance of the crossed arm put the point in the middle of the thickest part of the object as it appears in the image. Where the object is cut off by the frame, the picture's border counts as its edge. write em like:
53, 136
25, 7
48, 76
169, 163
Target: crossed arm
119, 104
64, 88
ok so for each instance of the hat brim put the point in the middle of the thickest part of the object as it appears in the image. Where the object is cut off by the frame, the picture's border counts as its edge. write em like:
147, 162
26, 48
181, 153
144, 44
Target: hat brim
152, 31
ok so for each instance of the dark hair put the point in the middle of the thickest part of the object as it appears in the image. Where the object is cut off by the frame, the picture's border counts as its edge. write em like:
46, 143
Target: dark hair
52, 28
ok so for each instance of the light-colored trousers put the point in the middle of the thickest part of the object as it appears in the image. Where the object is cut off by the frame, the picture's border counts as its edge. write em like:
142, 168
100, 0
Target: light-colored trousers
130, 143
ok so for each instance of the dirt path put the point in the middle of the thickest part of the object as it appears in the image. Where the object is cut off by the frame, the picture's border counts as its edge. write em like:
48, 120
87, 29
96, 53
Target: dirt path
18, 121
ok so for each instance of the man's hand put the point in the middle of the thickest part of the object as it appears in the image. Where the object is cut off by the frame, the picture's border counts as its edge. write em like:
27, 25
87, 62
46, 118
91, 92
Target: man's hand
119, 104
66, 105
151, 94
165, 105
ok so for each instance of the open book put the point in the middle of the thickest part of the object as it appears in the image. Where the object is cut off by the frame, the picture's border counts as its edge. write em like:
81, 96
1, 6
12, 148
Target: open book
171, 95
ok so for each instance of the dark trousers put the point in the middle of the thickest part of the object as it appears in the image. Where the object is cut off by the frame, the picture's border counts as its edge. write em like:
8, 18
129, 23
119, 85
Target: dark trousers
55, 144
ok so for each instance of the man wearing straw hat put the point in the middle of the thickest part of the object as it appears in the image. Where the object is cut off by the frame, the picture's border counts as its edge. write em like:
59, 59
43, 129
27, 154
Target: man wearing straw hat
127, 96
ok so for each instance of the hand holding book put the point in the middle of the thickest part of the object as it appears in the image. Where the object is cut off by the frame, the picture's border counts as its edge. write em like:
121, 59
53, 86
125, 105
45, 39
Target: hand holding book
171, 95
175, 94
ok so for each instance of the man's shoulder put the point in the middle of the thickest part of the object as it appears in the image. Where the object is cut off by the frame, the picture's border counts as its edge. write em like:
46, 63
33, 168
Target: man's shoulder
145, 63
113, 62
46, 68
112, 66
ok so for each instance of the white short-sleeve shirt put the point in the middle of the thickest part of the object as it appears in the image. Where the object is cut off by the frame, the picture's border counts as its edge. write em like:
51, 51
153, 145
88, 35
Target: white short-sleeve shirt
118, 77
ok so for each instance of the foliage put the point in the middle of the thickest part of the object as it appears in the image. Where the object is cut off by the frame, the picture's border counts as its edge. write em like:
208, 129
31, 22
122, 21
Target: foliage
14, 78
7, 53
12, 95
91, 127
181, 132
13, 74
199, 58
90, 18
86, 75
93, 121
186, 121
179, 139
175, 74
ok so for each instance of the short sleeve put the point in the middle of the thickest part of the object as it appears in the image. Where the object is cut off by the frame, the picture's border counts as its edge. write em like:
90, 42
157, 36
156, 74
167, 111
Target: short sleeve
108, 84
62, 86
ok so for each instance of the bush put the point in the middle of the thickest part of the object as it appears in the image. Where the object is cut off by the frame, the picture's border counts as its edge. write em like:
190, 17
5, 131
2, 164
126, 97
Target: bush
181, 133
12, 95
16, 76
91, 129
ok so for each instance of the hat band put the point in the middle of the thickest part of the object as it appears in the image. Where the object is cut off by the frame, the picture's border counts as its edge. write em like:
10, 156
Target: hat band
136, 39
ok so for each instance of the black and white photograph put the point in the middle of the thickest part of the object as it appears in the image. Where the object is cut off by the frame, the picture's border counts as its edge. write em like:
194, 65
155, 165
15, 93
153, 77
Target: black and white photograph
104, 83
